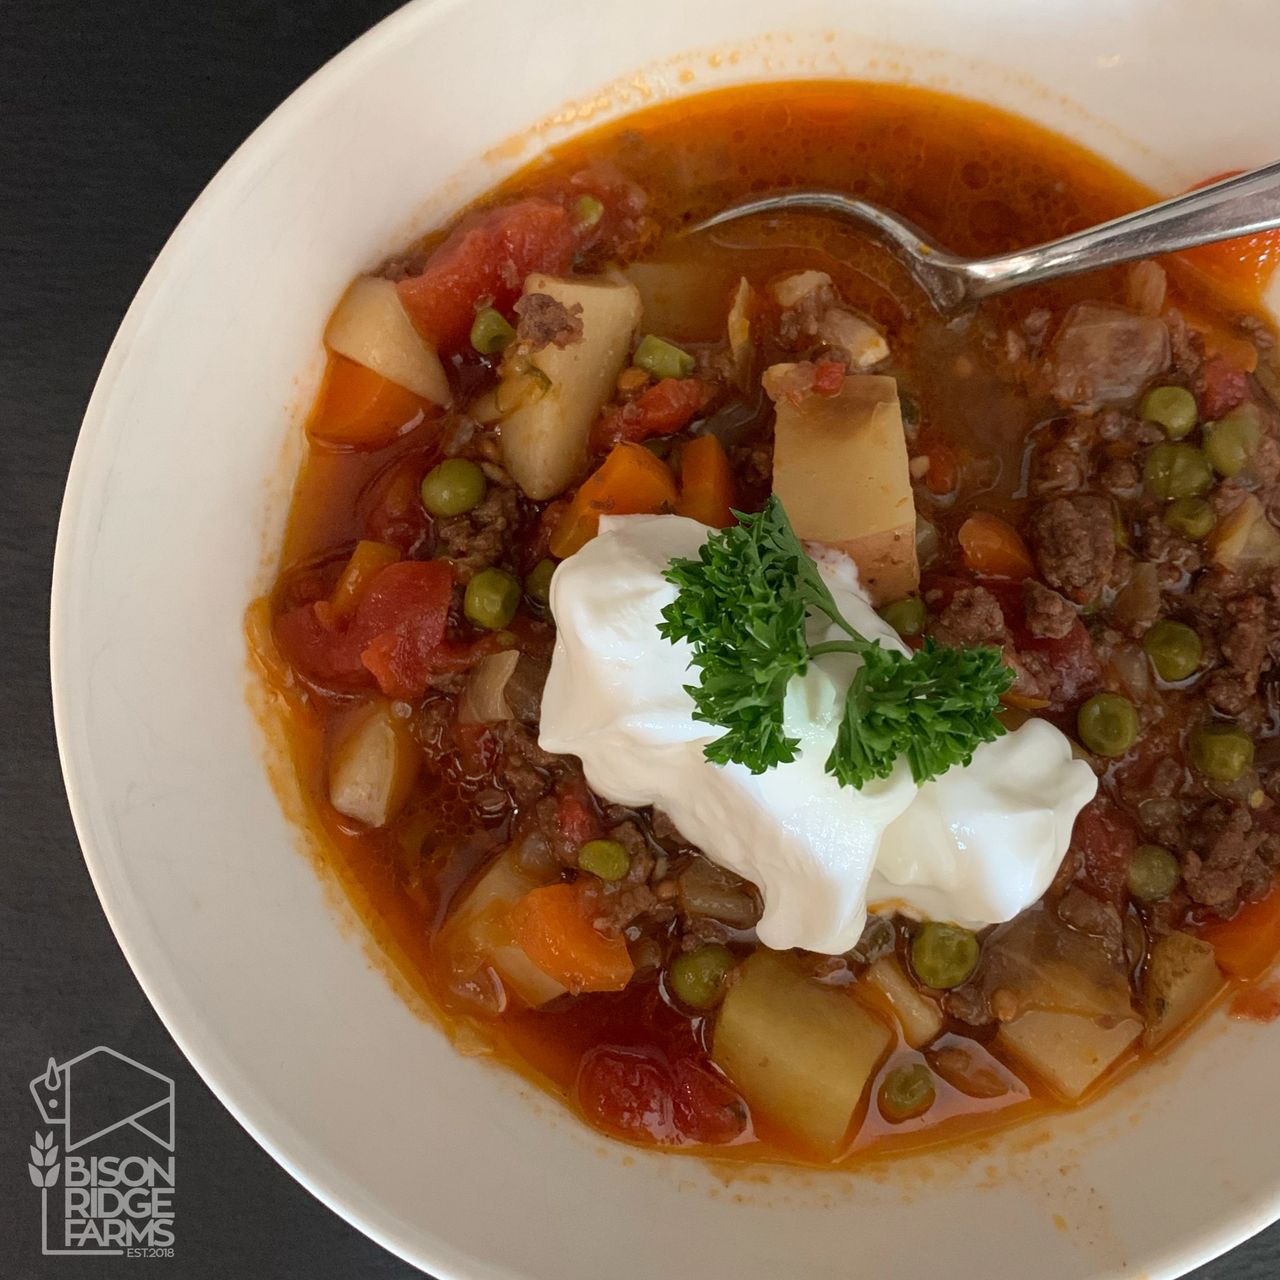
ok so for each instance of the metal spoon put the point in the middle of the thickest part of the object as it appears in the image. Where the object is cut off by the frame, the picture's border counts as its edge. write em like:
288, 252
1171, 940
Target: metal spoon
1236, 206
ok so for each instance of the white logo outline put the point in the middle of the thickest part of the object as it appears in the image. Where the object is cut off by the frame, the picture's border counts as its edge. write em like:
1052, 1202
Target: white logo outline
44, 1172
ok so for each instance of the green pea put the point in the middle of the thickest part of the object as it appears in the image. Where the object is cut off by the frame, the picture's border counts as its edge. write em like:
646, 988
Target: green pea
1191, 517
1173, 408
1229, 443
453, 487
607, 859
697, 978
1174, 649
1176, 471
491, 332
944, 955
907, 1092
1153, 873
537, 583
1108, 724
492, 598
906, 617
1221, 752
662, 359
588, 210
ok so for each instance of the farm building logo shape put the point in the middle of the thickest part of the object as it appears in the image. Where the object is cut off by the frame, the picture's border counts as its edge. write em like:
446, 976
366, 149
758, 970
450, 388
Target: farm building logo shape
105, 1166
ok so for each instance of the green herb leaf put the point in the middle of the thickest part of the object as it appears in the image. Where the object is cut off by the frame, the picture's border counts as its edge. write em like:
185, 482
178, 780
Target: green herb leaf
743, 605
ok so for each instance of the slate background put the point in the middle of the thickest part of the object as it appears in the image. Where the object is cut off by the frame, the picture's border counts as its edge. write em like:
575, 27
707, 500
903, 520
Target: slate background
113, 116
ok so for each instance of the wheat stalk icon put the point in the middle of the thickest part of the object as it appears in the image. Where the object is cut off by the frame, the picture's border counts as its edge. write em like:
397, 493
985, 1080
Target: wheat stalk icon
43, 1166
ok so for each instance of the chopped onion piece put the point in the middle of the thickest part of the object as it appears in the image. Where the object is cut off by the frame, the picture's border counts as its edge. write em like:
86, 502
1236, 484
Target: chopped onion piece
483, 699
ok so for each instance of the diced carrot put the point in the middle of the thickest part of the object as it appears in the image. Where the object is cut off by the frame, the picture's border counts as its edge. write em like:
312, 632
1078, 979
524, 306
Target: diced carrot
1247, 944
994, 548
706, 483
551, 926
366, 560
361, 409
630, 481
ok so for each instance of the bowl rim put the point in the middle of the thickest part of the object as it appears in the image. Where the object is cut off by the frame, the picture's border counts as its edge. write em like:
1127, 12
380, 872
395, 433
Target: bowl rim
148, 967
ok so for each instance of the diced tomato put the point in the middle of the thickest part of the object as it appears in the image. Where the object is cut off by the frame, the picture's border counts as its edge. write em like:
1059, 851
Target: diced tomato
1104, 840
1072, 657
705, 1109
487, 256
367, 561
576, 819
628, 1092
637, 1093
943, 474
661, 410
1225, 386
395, 636
828, 377
391, 508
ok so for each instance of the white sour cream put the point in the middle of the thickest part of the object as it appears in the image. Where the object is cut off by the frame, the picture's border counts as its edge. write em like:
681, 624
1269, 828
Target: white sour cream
974, 846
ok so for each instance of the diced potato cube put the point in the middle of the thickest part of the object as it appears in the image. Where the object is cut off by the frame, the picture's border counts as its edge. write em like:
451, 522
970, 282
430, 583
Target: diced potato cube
1181, 977
790, 289
840, 470
1069, 1051
544, 443
920, 1017
682, 298
1246, 540
479, 932
372, 765
801, 1054
372, 328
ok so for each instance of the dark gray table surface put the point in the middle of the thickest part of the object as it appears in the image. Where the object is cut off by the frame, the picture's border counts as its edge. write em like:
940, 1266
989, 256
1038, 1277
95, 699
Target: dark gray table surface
113, 116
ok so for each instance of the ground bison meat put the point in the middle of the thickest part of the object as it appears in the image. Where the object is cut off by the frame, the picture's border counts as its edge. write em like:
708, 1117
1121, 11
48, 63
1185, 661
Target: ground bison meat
1048, 614
478, 539
1230, 860
543, 321
972, 617
1081, 911
1075, 545
1242, 642
524, 768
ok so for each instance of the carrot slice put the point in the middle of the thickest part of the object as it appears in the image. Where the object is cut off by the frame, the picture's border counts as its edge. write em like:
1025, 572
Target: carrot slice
551, 927
630, 481
360, 409
366, 560
706, 483
1247, 944
993, 547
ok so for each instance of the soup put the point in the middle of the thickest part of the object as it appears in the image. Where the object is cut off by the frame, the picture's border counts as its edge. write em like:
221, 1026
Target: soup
1050, 521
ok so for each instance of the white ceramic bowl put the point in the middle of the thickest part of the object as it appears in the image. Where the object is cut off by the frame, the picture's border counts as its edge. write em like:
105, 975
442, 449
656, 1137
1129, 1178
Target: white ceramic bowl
175, 503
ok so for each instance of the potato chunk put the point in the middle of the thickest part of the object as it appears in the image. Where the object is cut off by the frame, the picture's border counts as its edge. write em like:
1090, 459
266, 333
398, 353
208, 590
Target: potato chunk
479, 933
840, 470
802, 1054
1182, 976
372, 328
372, 765
920, 1017
544, 444
1069, 1051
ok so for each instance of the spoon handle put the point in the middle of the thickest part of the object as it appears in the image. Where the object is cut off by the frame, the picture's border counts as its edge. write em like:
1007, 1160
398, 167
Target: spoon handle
1238, 206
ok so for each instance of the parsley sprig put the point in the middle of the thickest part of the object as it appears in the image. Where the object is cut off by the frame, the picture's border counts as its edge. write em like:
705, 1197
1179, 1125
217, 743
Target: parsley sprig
743, 605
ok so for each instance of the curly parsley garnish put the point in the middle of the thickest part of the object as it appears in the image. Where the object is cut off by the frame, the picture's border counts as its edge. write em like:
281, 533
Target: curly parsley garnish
743, 605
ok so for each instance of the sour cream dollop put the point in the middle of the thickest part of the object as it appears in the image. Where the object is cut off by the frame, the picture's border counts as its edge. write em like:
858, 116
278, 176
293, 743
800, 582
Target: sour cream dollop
974, 846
